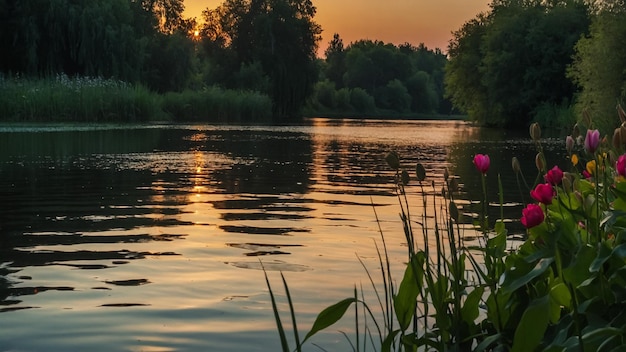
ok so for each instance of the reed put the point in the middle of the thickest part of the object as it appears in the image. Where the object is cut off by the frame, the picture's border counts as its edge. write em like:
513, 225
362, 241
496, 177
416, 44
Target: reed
80, 99
91, 99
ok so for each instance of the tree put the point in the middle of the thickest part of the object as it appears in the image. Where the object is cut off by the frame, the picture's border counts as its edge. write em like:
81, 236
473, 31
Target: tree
505, 64
463, 79
599, 68
335, 61
282, 36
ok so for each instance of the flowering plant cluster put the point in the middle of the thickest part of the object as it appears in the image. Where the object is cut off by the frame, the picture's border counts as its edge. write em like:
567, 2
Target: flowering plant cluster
565, 286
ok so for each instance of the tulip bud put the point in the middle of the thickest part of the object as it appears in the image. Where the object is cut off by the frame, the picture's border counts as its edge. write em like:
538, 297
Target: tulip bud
393, 160
515, 165
567, 184
580, 140
569, 144
535, 131
405, 177
617, 139
420, 172
592, 141
540, 162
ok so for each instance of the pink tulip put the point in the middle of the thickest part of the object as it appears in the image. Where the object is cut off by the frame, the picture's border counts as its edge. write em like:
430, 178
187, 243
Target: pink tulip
482, 163
543, 193
532, 216
592, 141
554, 176
620, 165
586, 174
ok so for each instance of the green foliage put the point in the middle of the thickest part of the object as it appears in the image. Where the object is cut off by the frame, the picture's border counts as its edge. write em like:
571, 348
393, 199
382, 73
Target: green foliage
325, 94
506, 63
96, 38
393, 96
599, 67
216, 104
361, 100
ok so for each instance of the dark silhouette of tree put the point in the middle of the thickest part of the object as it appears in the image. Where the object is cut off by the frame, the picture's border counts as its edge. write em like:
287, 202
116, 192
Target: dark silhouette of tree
280, 35
505, 64
335, 61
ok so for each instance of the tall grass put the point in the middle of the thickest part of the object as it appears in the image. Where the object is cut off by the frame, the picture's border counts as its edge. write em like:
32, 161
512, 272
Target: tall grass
80, 99
92, 99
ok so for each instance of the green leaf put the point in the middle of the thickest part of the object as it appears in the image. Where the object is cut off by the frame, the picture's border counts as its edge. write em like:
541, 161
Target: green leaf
514, 279
603, 255
594, 338
279, 325
330, 316
578, 271
405, 301
561, 295
469, 311
489, 340
388, 342
532, 325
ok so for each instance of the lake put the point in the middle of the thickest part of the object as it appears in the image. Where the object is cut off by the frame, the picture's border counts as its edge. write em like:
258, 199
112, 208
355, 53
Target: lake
151, 237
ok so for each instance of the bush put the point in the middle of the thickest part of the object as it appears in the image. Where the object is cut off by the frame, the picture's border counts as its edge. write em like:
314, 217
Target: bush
361, 101
325, 94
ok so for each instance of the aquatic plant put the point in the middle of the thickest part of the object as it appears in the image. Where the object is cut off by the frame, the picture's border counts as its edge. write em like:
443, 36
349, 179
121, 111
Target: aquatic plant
562, 289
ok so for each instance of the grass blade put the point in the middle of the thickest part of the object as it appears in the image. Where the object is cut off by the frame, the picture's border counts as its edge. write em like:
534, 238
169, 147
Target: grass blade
293, 314
279, 325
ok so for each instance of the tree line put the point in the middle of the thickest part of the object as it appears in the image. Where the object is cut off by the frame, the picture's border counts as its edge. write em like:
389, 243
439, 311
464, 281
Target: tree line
521, 61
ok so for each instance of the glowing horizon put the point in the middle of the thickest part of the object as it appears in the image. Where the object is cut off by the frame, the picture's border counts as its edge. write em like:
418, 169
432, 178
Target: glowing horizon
395, 21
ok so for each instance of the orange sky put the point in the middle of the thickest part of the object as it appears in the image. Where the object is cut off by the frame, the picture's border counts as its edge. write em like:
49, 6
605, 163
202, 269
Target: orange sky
392, 21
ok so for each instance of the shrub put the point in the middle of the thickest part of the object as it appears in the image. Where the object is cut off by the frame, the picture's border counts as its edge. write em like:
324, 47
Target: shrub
361, 100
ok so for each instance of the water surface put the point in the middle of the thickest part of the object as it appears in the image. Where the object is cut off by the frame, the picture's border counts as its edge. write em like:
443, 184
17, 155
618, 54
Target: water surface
144, 238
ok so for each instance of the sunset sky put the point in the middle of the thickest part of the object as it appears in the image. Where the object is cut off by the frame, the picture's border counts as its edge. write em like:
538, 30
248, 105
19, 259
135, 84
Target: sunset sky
392, 21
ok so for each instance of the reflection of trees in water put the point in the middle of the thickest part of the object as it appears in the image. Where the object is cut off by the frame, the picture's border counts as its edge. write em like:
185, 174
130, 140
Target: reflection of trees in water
268, 162
55, 192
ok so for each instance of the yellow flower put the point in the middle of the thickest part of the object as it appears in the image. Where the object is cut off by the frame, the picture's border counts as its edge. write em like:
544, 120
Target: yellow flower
591, 167
574, 159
